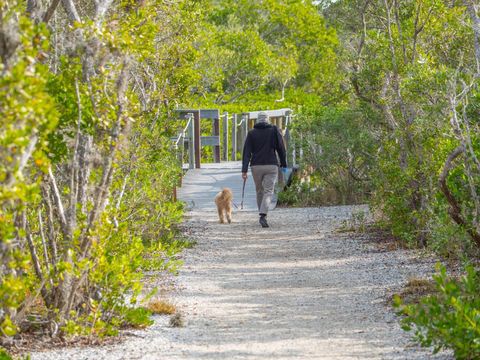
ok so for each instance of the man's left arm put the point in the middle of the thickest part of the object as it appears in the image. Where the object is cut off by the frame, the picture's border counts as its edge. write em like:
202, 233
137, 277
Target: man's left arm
246, 155
282, 153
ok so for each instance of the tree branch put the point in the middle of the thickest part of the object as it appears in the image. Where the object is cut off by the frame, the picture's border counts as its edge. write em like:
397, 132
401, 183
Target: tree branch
102, 8
59, 203
74, 174
51, 230
35, 259
455, 210
50, 11
71, 11
108, 169
476, 30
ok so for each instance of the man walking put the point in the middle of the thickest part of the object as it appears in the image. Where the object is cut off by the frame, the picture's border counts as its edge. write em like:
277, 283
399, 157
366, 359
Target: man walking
261, 147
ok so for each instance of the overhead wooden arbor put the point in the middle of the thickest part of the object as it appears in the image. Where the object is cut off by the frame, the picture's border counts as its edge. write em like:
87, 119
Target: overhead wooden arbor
234, 131
246, 121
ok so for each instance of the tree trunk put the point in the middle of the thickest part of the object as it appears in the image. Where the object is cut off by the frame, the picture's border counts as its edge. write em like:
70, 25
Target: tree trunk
455, 210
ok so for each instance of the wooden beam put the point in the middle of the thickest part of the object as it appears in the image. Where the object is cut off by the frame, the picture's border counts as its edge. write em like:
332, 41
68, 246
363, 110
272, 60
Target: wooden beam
191, 145
196, 136
225, 136
211, 114
234, 137
216, 132
270, 113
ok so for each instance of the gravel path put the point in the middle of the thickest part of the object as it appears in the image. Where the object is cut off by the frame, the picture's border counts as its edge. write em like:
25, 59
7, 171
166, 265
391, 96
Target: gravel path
298, 290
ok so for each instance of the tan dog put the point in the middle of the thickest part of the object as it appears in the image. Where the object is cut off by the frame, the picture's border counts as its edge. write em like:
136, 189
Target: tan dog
223, 200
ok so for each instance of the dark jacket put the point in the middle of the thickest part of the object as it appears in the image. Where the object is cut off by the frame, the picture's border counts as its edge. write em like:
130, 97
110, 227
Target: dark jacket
260, 146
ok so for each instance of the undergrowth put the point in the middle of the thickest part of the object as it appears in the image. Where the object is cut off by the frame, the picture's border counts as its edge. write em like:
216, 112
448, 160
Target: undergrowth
449, 318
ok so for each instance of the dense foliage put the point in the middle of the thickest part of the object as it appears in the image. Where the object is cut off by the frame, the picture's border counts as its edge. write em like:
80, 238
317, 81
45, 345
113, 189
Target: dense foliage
254, 52
87, 175
410, 71
408, 121
449, 319
386, 102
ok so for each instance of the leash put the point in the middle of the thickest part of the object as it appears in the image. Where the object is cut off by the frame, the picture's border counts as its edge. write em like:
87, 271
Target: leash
243, 193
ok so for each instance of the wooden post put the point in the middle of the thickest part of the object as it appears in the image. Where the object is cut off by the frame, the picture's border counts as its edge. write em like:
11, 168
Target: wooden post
245, 129
294, 154
240, 132
196, 135
225, 137
216, 132
287, 142
234, 137
179, 148
191, 144
286, 135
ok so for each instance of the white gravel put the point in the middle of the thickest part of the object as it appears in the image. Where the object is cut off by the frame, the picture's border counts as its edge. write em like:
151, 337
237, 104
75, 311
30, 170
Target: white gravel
298, 290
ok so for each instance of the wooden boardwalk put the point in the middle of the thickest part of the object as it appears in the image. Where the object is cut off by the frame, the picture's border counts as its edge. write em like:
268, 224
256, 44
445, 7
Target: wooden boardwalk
200, 186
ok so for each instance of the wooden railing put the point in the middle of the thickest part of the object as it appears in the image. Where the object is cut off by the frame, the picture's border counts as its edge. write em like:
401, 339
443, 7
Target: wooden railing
181, 139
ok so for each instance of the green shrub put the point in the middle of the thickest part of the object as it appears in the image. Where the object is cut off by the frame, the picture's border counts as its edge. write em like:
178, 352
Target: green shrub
4, 355
86, 169
138, 317
449, 319
448, 239
335, 164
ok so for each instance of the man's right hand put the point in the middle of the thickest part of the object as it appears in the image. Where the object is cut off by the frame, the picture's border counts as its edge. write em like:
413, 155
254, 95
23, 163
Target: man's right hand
244, 175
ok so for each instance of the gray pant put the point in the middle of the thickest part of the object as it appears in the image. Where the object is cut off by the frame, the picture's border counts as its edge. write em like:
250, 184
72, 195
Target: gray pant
265, 177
